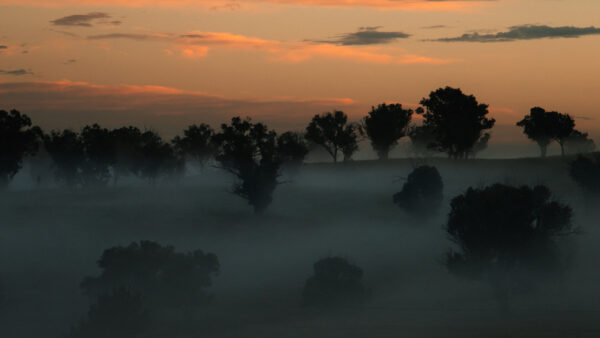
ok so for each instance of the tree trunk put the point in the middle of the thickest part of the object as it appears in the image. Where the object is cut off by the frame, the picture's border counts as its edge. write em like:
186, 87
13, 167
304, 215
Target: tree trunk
543, 150
383, 154
562, 148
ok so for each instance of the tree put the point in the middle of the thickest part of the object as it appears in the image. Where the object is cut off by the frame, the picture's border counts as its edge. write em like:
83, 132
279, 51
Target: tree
249, 151
585, 171
292, 149
163, 277
68, 154
544, 127
99, 148
335, 281
456, 120
156, 158
17, 140
421, 139
579, 143
422, 192
118, 314
385, 125
196, 143
506, 235
331, 131
127, 142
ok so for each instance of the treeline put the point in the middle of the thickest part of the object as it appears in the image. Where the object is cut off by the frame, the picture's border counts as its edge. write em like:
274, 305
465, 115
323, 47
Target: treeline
453, 123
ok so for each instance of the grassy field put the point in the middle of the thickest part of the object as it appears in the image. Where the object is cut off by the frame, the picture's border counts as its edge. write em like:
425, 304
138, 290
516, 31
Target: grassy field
51, 238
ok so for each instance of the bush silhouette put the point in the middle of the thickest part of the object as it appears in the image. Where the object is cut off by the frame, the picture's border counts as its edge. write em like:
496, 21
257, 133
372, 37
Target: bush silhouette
457, 121
579, 143
17, 140
118, 314
422, 193
163, 277
585, 171
335, 281
506, 235
385, 125
332, 132
249, 151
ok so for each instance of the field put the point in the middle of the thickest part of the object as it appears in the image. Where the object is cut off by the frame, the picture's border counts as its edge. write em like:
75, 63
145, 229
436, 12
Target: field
51, 238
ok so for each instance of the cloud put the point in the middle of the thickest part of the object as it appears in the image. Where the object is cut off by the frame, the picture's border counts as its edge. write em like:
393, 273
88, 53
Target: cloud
415, 5
197, 44
365, 36
65, 103
435, 27
16, 72
84, 20
525, 32
3, 47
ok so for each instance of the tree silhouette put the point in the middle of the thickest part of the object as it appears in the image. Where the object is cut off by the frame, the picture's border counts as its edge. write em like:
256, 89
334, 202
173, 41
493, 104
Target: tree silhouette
579, 143
99, 148
332, 132
127, 142
196, 143
118, 314
585, 171
385, 125
291, 149
163, 277
456, 120
422, 192
543, 127
156, 158
422, 139
68, 154
505, 235
249, 151
335, 281
17, 140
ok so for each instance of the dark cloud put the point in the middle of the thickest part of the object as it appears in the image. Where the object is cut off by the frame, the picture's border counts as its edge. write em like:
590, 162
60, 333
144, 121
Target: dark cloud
84, 20
70, 62
3, 47
525, 32
16, 72
365, 36
125, 36
434, 27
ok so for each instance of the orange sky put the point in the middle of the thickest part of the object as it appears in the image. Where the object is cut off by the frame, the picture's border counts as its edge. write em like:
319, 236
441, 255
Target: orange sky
165, 64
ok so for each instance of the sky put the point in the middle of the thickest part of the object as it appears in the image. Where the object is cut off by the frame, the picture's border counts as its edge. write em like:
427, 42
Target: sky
165, 64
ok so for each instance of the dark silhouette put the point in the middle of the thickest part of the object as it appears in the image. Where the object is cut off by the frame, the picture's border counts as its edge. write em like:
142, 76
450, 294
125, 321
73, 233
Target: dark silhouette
163, 277
544, 127
17, 140
335, 282
156, 158
292, 150
456, 120
506, 235
481, 144
385, 125
68, 154
332, 132
585, 171
99, 148
127, 143
422, 192
118, 314
422, 139
249, 151
579, 143
196, 143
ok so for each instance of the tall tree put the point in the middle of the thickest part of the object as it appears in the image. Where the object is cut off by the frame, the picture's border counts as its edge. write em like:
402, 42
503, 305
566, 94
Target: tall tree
127, 142
385, 125
156, 157
292, 149
249, 151
332, 132
99, 148
456, 120
17, 140
196, 143
504, 234
68, 154
544, 127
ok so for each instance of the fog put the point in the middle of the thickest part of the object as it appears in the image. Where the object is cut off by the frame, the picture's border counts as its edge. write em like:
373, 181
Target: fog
51, 238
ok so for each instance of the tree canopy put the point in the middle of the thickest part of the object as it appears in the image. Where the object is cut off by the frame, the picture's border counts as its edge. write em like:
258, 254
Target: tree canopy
332, 132
544, 127
385, 125
17, 140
